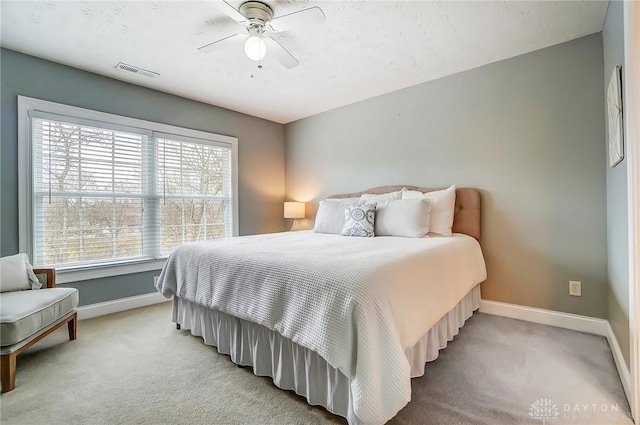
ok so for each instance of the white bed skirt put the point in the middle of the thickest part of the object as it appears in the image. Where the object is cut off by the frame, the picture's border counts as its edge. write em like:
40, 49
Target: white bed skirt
296, 368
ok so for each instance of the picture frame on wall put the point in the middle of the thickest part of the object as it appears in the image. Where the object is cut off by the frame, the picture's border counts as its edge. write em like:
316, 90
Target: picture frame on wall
615, 137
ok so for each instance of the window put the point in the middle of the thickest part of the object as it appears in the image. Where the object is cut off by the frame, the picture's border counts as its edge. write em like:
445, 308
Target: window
100, 190
193, 182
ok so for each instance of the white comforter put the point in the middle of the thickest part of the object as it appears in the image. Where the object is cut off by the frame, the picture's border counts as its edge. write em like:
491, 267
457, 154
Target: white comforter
358, 302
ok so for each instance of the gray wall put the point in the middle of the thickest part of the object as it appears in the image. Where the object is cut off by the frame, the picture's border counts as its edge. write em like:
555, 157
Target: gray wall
260, 147
617, 212
527, 131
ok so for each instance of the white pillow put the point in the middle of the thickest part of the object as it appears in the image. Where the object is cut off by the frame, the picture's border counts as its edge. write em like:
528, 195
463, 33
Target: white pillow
17, 274
330, 215
442, 208
391, 196
345, 200
407, 218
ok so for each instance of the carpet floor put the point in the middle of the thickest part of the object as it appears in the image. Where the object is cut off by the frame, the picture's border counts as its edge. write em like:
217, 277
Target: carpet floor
136, 368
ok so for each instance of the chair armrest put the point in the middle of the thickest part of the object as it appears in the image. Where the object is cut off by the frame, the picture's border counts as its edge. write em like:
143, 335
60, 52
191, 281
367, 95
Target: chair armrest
51, 276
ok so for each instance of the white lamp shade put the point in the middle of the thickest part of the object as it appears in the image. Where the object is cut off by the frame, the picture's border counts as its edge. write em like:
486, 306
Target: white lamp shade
294, 209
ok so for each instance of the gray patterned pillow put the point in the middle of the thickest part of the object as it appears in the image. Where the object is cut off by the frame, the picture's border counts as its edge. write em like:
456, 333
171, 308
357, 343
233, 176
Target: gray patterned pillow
359, 220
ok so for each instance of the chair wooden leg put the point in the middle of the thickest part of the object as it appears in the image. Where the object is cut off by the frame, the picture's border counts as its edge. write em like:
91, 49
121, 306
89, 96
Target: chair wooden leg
8, 372
73, 327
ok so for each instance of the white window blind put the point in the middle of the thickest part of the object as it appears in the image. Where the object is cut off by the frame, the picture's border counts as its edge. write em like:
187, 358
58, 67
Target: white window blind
108, 194
89, 192
195, 181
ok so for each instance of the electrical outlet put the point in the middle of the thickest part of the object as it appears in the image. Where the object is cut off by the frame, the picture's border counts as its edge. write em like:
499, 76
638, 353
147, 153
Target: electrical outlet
575, 288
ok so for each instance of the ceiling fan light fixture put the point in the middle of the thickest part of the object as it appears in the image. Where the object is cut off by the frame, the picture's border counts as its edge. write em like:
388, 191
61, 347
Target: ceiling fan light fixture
257, 18
255, 48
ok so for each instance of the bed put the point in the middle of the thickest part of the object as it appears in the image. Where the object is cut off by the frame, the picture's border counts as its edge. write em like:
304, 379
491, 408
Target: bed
345, 322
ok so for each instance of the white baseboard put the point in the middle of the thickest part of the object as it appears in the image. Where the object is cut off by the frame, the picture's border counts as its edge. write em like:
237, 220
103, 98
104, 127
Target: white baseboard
122, 304
574, 322
623, 369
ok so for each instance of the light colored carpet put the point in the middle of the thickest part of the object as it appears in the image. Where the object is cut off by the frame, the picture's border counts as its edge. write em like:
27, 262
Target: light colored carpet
136, 368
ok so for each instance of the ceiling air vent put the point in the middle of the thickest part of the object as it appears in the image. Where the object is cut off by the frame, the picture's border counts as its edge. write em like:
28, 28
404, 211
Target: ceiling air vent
134, 69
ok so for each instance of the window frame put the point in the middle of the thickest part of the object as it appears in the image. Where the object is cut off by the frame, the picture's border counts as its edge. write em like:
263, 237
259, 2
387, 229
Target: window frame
26, 225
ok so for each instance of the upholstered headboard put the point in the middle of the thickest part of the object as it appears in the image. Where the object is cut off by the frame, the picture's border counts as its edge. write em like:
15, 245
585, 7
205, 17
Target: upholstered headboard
467, 209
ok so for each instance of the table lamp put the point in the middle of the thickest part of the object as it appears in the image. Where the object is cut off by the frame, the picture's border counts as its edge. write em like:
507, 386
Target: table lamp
294, 210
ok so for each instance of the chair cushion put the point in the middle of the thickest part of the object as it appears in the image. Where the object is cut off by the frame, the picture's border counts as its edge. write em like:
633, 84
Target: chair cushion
23, 313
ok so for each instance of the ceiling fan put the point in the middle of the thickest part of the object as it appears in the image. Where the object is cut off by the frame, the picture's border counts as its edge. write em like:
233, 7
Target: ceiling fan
257, 17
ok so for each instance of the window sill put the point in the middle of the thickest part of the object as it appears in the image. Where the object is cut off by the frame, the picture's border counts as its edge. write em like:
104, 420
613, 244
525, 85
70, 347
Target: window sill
68, 276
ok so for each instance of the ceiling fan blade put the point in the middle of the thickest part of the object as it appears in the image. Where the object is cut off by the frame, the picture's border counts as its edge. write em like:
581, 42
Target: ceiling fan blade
230, 11
303, 18
224, 42
280, 53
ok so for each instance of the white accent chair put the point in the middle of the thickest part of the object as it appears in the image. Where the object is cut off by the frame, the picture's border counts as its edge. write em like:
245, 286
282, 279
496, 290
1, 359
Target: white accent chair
28, 315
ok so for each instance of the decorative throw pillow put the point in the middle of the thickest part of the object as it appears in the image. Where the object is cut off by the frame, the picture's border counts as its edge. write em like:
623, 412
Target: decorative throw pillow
407, 218
17, 274
330, 215
442, 208
359, 220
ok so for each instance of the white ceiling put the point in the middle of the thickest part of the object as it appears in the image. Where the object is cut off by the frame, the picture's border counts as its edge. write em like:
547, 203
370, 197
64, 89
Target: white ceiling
366, 48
